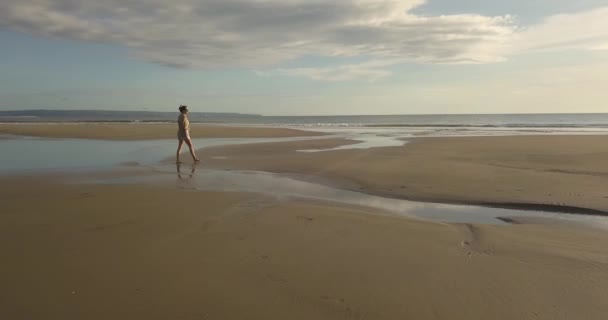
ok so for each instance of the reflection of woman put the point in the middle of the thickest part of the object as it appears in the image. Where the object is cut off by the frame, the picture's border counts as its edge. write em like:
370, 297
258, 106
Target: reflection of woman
180, 175
183, 133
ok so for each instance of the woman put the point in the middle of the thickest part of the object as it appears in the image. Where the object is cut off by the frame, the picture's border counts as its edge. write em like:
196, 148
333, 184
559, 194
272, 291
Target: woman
183, 133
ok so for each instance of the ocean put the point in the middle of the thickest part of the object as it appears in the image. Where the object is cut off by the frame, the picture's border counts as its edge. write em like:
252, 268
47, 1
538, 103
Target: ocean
464, 121
520, 121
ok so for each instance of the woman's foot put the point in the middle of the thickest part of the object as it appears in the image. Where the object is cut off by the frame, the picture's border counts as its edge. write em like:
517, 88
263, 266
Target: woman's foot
197, 160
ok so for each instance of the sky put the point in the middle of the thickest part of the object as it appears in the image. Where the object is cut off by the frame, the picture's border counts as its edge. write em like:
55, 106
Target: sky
306, 57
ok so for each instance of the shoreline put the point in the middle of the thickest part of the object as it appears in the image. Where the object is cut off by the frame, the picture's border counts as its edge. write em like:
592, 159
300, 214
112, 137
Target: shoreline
153, 130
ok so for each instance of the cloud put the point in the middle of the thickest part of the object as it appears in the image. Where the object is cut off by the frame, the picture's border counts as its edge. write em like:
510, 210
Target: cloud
369, 71
583, 31
266, 33
269, 34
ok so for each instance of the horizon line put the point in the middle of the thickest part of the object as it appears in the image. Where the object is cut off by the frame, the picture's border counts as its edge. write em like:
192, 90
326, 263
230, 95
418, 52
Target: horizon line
312, 115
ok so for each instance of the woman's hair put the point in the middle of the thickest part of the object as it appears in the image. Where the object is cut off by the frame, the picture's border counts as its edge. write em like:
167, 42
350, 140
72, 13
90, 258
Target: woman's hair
183, 108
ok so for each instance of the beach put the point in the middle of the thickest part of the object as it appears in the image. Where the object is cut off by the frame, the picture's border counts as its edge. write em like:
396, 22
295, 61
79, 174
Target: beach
77, 249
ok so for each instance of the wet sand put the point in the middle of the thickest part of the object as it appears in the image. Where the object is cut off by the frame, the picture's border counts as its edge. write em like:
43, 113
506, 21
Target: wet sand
122, 131
557, 173
150, 252
140, 252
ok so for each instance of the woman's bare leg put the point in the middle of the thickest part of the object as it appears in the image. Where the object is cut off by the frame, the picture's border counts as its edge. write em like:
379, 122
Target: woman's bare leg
179, 149
189, 143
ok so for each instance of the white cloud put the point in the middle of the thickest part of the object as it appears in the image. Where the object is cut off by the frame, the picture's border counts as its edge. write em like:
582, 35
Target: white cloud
262, 33
265, 34
583, 30
587, 30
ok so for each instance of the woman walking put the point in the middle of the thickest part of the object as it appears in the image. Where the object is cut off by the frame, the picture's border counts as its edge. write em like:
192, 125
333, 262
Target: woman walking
183, 133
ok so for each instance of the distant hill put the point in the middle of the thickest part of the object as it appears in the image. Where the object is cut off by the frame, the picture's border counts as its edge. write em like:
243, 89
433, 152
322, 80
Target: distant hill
116, 116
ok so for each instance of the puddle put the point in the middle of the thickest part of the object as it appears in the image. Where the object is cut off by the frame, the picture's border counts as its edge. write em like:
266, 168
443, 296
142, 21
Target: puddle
366, 142
24, 153
32, 154
282, 187
375, 137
